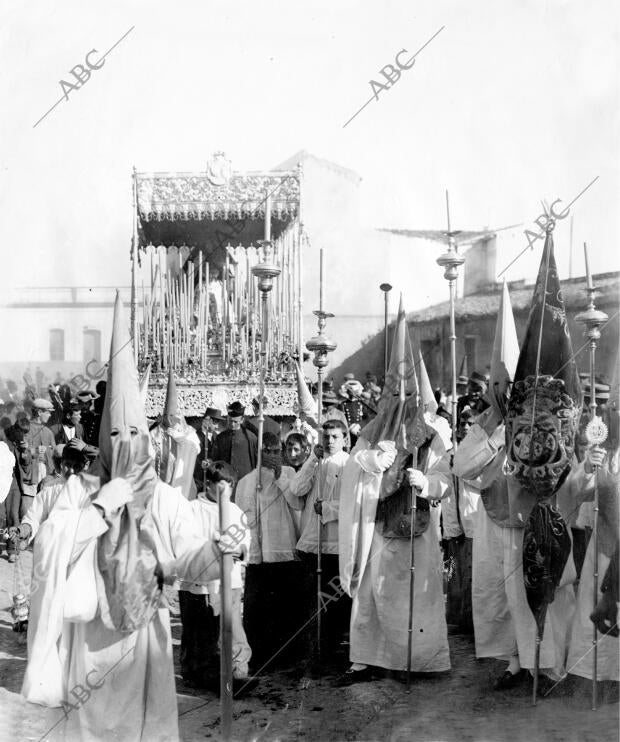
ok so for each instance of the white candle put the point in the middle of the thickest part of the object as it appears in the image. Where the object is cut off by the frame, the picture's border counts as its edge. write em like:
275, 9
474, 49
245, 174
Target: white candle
268, 218
321, 285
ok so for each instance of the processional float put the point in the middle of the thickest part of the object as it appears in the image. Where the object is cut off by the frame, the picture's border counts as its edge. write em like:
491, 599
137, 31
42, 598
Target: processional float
196, 300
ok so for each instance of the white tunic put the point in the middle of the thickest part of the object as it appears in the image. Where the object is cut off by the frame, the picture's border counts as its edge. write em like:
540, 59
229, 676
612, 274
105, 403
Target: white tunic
67, 660
304, 487
42, 506
375, 571
269, 515
503, 622
580, 655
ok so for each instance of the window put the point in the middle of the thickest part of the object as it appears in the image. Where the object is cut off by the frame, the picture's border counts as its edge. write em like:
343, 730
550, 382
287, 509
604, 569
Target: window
92, 345
57, 345
471, 343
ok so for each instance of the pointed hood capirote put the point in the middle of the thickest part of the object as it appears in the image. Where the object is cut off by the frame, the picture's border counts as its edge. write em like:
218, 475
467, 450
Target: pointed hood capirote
172, 415
307, 405
505, 354
126, 582
427, 397
397, 416
172, 425
123, 409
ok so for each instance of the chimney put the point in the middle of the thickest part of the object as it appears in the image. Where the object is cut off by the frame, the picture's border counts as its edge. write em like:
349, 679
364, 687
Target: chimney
480, 266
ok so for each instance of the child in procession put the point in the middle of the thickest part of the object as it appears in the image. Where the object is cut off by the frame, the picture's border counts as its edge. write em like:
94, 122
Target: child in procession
200, 602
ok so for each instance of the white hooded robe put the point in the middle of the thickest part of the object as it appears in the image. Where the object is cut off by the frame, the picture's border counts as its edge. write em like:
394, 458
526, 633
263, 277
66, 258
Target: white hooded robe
374, 570
111, 685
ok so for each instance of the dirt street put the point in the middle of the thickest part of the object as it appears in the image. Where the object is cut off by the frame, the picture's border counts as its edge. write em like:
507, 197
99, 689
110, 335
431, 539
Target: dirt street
446, 707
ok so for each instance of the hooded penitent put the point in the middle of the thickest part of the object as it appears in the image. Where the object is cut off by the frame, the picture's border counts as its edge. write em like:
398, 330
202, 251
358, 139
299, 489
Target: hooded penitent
400, 418
172, 422
427, 397
127, 586
307, 405
542, 419
505, 355
398, 412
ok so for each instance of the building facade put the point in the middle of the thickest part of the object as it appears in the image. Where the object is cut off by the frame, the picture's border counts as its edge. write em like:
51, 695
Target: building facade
476, 317
52, 334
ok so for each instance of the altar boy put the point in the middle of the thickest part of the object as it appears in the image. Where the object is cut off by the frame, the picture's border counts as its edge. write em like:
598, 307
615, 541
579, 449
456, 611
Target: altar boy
200, 601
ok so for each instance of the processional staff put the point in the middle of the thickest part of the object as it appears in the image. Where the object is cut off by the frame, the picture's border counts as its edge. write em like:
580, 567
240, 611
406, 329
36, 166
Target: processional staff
226, 653
596, 434
265, 271
320, 346
386, 288
450, 261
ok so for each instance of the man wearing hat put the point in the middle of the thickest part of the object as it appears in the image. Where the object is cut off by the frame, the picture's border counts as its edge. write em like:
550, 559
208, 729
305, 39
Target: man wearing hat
350, 386
237, 445
269, 424
40, 442
210, 427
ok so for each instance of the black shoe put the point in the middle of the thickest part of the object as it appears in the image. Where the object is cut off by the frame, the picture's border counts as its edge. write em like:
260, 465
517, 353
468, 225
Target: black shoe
354, 676
510, 680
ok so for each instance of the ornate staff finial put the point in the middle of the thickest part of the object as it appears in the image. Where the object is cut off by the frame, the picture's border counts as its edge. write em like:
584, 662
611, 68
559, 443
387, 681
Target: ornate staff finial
266, 271
320, 345
451, 261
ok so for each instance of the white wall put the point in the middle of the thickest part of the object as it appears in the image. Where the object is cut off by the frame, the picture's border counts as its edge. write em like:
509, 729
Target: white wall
27, 316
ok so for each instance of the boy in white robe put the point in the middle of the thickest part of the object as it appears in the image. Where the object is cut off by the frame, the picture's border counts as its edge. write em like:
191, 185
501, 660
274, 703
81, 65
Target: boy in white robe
272, 597
200, 602
316, 488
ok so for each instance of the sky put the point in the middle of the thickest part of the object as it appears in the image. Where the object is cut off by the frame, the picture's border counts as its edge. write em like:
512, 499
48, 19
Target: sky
512, 102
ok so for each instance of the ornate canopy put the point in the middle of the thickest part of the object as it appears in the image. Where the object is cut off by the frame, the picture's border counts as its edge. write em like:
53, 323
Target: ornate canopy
214, 207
